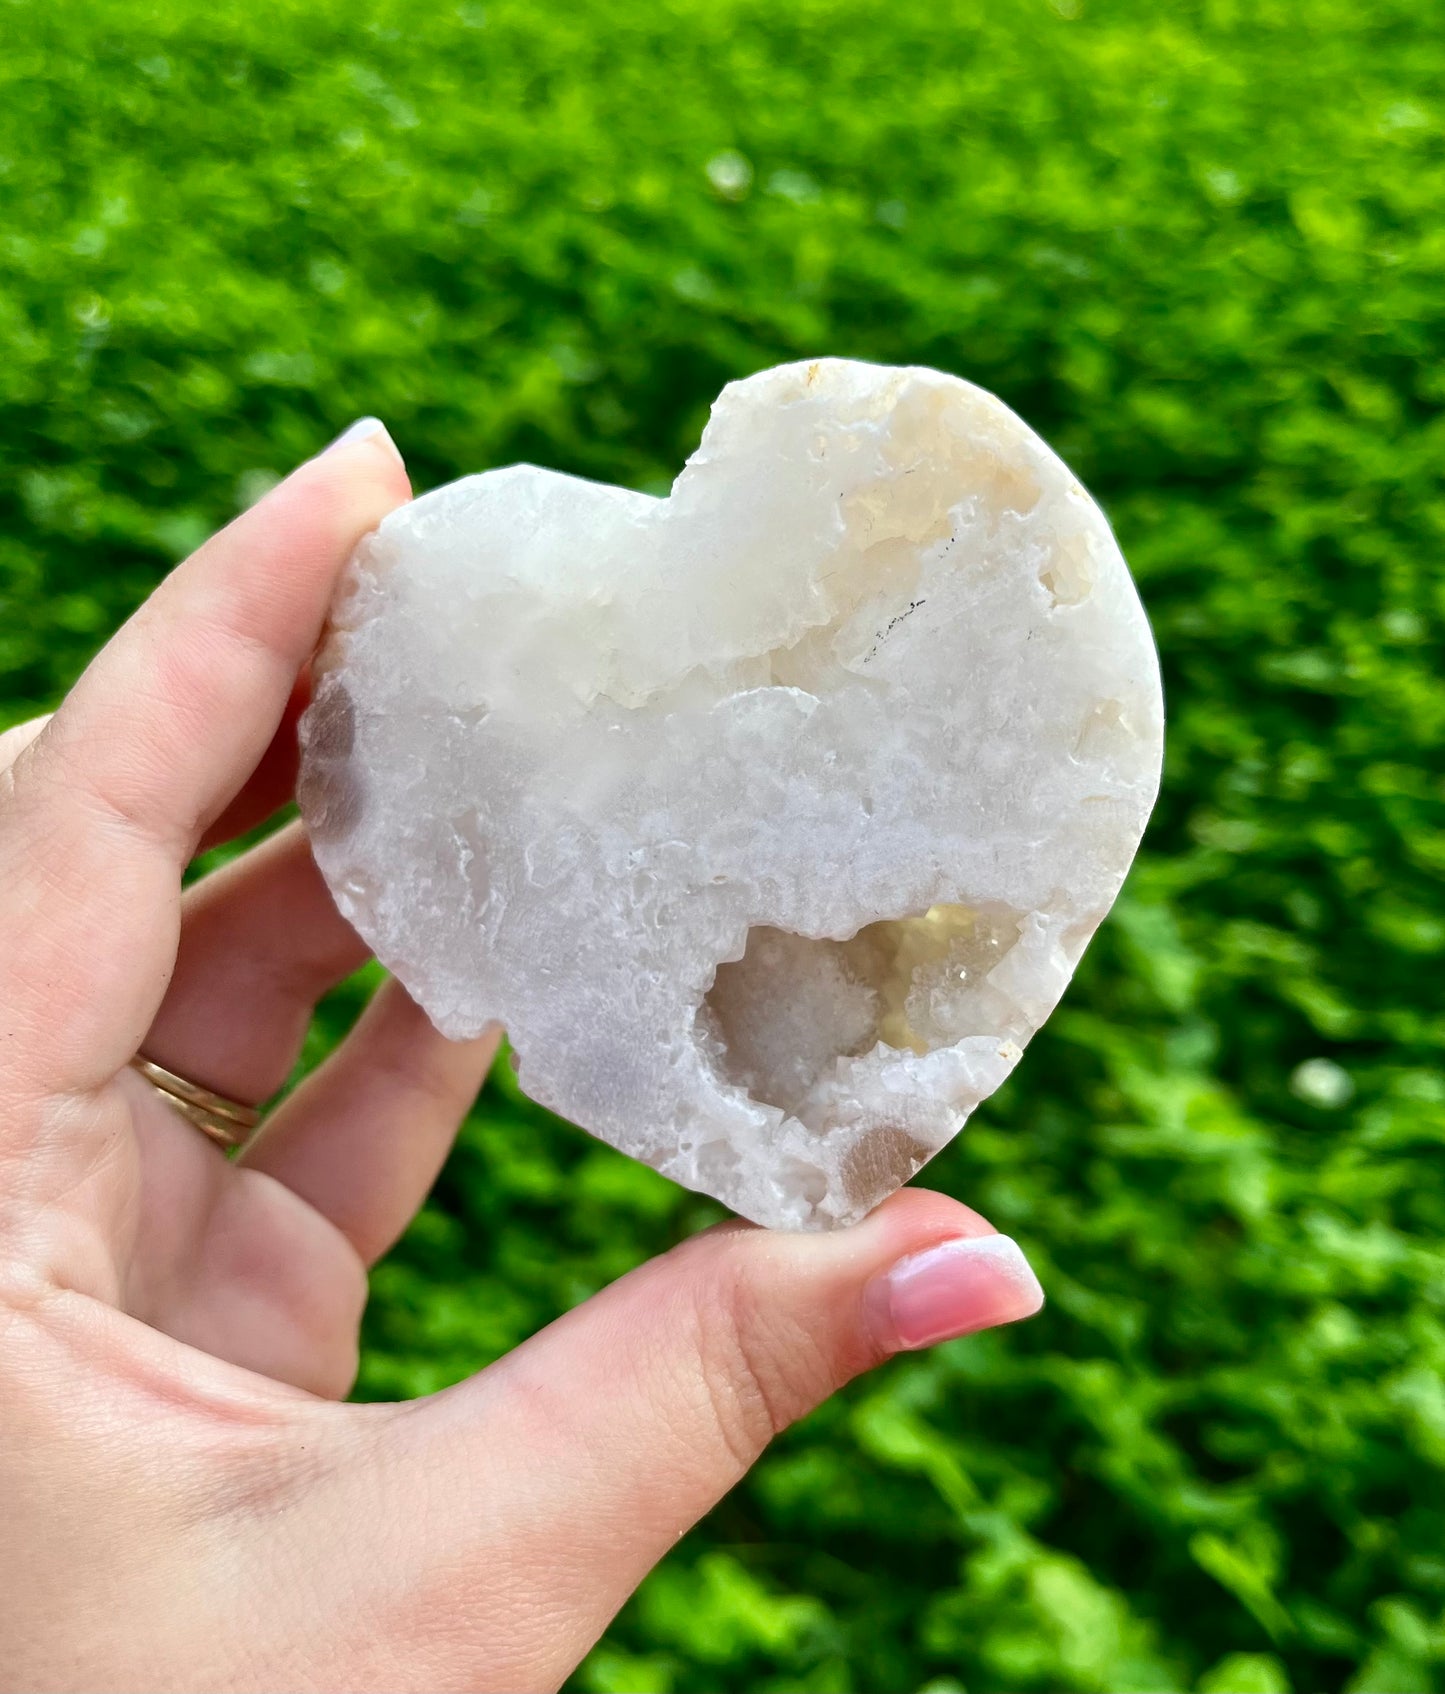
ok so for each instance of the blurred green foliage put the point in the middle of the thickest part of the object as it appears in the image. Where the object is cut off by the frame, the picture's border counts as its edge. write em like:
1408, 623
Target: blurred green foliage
1200, 247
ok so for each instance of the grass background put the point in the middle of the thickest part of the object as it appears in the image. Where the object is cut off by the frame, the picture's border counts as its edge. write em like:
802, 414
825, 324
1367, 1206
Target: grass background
1200, 248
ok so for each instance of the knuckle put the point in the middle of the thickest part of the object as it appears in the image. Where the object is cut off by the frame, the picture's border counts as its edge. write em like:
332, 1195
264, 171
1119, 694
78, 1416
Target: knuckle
759, 1374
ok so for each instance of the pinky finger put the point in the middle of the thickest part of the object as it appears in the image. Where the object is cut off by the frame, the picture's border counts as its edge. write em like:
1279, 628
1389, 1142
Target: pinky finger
363, 1138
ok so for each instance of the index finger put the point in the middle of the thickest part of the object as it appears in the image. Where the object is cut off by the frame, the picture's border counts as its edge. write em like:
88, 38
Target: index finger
101, 812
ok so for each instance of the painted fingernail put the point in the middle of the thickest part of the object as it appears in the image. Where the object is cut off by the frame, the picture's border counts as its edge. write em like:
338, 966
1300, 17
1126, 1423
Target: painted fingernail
362, 430
953, 1289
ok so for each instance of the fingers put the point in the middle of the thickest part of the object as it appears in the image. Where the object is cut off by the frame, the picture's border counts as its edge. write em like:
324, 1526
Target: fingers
234, 1264
172, 717
273, 781
626, 1420
261, 942
101, 811
362, 1139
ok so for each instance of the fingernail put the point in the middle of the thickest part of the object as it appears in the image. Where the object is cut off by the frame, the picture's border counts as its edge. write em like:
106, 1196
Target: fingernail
953, 1289
362, 430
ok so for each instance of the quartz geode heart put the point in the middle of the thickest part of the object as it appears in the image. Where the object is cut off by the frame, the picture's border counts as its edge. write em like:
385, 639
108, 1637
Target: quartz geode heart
771, 818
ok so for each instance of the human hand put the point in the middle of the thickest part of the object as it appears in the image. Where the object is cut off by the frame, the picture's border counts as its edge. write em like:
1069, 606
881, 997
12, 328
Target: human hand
185, 1503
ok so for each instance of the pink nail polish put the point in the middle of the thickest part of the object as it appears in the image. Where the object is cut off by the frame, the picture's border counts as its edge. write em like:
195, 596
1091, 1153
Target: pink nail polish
953, 1289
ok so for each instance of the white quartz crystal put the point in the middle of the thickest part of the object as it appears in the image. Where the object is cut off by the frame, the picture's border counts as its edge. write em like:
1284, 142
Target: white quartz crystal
770, 818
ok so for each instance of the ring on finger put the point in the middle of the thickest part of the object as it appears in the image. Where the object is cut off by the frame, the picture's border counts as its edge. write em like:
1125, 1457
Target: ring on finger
226, 1122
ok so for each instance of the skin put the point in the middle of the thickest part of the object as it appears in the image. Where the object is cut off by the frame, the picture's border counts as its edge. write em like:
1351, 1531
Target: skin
188, 1504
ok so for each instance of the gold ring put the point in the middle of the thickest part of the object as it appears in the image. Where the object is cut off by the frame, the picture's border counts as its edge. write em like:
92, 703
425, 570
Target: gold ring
226, 1122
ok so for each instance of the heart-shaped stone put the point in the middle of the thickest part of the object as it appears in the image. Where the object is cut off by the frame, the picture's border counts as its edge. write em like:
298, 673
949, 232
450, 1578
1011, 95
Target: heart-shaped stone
771, 818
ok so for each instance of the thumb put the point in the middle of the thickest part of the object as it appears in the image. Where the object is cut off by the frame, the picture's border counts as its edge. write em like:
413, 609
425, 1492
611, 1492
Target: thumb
583, 1456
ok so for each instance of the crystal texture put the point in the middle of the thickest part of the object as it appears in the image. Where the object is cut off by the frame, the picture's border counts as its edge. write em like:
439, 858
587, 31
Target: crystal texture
770, 818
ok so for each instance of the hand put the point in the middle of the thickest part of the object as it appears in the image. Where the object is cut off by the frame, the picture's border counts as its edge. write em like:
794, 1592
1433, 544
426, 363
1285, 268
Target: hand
185, 1502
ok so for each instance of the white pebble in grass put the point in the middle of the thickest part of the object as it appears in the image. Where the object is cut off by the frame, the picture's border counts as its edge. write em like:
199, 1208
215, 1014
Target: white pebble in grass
771, 818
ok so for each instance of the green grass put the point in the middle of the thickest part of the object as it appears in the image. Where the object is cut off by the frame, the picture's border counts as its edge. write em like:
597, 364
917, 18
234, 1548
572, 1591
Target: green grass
1200, 248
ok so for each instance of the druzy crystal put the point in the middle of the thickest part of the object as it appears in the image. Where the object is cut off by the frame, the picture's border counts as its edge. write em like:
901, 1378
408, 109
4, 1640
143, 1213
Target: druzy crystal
770, 818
